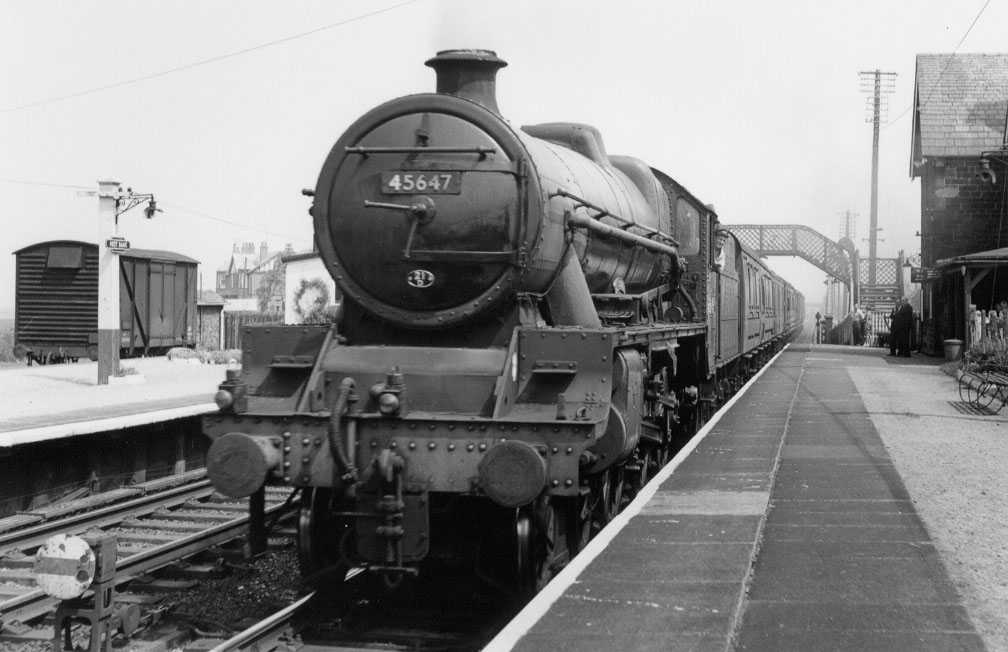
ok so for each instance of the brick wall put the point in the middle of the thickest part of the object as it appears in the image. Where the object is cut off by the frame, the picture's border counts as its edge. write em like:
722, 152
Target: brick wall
959, 213
208, 332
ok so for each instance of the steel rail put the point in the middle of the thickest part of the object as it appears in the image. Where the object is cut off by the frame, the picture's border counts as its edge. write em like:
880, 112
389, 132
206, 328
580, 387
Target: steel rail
35, 535
36, 602
269, 626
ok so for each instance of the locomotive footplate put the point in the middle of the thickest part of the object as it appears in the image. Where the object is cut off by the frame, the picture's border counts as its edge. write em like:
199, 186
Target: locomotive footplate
459, 456
447, 455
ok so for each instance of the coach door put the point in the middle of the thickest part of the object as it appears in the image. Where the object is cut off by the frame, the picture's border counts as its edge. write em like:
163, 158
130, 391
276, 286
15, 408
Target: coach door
162, 303
133, 303
729, 331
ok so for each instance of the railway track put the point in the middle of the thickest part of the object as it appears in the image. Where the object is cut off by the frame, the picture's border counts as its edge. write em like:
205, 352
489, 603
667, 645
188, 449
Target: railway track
155, 524
446, 613
268, 633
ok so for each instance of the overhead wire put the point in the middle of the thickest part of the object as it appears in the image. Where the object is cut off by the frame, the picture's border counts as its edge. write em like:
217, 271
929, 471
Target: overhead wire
203, 62
944, 68
172, 205
197, 213
25, 182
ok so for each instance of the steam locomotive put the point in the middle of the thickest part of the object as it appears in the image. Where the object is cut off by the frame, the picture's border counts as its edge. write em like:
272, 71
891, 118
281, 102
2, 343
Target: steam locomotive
530, 328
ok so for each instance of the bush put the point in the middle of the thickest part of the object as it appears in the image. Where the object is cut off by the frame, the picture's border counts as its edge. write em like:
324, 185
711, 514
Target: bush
228, 356
988, 353
181, 353
7, 346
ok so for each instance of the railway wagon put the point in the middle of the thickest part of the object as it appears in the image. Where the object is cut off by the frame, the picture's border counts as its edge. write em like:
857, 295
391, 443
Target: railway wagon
56, 301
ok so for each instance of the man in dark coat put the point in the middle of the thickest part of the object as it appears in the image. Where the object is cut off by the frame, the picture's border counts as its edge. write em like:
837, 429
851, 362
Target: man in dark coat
893, 330
905, 317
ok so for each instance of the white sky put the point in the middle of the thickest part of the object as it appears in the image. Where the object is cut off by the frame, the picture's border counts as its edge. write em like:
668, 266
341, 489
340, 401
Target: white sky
754, 106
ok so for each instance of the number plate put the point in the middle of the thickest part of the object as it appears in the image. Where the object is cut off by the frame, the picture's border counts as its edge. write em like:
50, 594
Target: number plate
421, 182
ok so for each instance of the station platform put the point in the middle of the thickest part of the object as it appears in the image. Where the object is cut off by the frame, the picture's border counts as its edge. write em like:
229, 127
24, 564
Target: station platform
783, 525
41, 403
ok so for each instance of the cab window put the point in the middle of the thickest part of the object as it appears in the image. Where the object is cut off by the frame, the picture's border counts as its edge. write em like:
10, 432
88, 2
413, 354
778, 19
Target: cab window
687, 228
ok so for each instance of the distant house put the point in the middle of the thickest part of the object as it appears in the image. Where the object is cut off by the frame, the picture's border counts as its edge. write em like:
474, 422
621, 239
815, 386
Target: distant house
248, 269
960, 105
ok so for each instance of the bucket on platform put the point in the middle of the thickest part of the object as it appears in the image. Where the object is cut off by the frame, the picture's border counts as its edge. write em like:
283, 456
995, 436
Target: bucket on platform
953, 349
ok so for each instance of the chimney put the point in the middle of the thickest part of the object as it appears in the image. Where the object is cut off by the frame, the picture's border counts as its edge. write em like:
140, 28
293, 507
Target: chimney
471, 74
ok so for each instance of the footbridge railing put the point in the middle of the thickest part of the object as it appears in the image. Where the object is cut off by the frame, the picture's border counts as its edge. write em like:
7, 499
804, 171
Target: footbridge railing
801, 241
874, 287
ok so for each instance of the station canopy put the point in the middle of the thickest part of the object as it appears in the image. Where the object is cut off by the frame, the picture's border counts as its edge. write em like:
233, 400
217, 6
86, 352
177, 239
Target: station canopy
979, 259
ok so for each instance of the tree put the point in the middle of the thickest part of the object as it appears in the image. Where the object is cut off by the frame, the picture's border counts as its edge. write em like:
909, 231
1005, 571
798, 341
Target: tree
272, 285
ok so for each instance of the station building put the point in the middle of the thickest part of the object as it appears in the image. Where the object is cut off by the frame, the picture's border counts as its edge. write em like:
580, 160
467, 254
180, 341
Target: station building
959, 150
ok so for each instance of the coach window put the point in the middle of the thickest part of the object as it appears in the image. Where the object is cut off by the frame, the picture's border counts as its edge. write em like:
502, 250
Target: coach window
687, 228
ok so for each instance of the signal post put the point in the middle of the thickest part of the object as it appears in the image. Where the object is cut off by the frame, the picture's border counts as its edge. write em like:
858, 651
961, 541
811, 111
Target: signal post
108, 281
113, 202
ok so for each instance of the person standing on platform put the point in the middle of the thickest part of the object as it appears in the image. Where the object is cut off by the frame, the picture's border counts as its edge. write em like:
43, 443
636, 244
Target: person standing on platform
858, 325
905, 318
893, 318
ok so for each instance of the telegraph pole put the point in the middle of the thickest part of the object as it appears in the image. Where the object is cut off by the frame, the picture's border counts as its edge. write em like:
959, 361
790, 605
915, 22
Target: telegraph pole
849, 228
878, 83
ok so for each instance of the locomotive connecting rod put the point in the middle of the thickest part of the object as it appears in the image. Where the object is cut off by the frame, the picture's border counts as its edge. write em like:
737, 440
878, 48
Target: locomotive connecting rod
593, 225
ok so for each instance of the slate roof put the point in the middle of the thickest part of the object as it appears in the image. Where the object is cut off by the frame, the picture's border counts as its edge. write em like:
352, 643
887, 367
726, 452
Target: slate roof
157, 254
146, 254
209, 298
993, 256
959, 105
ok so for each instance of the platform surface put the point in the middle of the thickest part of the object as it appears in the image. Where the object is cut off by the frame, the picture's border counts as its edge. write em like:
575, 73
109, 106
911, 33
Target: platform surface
52, 401
788, 527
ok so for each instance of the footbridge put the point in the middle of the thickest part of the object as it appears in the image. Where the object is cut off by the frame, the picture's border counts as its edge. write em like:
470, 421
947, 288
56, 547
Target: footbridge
878, 285
839, 260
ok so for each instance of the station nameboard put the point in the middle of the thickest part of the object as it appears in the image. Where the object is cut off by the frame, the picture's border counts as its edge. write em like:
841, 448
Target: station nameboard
923, 274
879, 298
116, 243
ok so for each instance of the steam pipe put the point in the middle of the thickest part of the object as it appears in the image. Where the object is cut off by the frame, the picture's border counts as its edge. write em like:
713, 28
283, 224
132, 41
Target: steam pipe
593, 225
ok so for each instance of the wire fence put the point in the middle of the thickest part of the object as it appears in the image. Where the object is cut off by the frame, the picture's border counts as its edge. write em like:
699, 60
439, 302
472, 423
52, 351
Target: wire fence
235, 322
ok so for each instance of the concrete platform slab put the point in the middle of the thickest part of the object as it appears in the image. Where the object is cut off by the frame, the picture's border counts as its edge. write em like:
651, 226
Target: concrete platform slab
774, 640
578, 642
652, 607
57, 401
919, 618
788, 518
